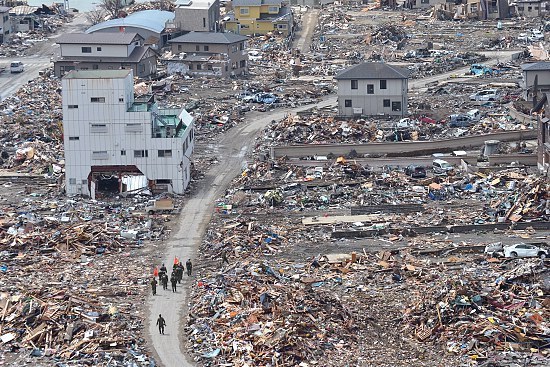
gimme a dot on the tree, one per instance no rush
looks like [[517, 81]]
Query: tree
[[95, 16], [112, 7]]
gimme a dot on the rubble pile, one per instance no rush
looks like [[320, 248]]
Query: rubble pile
[[74, 275], [279, 302], [31, 128]]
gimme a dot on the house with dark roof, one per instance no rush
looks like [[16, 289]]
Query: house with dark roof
[[539, 70], [373, 88], [260, 17], [104, 51], [208, 54]]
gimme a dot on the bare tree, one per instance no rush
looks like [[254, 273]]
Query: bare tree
[[95, 16], [112, 7]]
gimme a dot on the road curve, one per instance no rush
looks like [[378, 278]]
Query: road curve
[[192, 222]]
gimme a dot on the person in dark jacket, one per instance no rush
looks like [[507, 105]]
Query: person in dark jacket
[[179, 272], [154, 286], [164, 281], [174, 282], [161, 324], [189, 267], [162, 271]]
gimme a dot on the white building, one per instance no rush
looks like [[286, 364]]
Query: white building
[[109, 135]]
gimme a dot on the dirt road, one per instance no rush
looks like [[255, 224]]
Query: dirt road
[[231, 150]]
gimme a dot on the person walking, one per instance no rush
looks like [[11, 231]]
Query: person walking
[[164, 281], [224, 257], [154, 286], [162, 272], [174, 282], [161, 324], [179, 272], [189, 267]]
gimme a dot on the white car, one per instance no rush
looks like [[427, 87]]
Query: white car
[[485, 95], [525, 250]]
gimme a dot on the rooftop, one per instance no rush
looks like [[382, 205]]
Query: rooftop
[[195, 4], [97, 74], [536, 66], [209, 37], [152, 20], [374, 70]]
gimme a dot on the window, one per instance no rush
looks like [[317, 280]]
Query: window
[[386, 103], [86, 50], [141, 153], [72, 181], [122, 152], [273, 9], [425, 1], [204, 22], [74, 138], [95, 67], [383, 84], [97, 99], [529, 8], [396, 106], [241, 46], [243, 11], [370, 88], [72, 106], [190, 66], [179, 47], [243, 63], [98, 128], [354, 84], [100, 155], [199, 67], [84, 182], [282, 26], [98, 49], [165, 153], [133, 128], [206, 48], [347, 103], [209, 67], [121, 99], [197, 48]]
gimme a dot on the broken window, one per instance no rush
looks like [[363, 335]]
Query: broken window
[[370, 88], [347, 103], [165, 153], [396, 106], [354, 84]]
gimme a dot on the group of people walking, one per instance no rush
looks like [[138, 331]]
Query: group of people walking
[[175, 277]]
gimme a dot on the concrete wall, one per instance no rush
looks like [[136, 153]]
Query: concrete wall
[[5, 24], [107, 134], [98, 51], [373, 104], [200, 20]]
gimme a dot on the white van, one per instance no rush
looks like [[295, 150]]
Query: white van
[[441, 167], [16, 67]]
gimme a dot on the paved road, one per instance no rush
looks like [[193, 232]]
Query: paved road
[[305, 34], [232, 150], [38, 59]]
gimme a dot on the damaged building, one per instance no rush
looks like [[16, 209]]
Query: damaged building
[[111, 135]]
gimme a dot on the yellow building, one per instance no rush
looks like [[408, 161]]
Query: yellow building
[[260, 17]]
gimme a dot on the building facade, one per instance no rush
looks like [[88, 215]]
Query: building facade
[[5, 24], [110, 135], [260, 17], [208, 54], [372, 89], [197, 15], [540, 71], [532, 8], [104, 51]]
